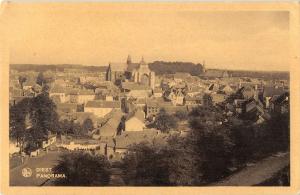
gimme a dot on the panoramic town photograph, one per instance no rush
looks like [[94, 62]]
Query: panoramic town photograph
[[148, 96]]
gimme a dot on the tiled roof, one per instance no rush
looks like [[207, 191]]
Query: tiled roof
[[57, 89], [66, 106], [138, 113], [111, 127], [103, 104]]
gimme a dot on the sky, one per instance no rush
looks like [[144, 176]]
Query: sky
[[96, 34]]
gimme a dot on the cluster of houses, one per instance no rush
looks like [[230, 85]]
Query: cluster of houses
[[123, 97]]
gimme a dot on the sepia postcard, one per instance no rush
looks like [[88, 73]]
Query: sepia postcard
[[150, 97]]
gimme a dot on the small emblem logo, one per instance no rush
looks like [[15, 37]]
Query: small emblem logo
[[26, 172]]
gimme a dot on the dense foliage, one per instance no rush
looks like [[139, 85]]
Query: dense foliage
[[215, 147], [148, 164], [83, 169], [32, 119], [164, 121]]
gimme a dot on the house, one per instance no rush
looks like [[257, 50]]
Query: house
[[111, 127], [58, 90], [81, 96], [248, 92], [192, 101], [215, 74], [250, 106], [81, 144], [127, 139], [135, 121], [153, 107], [175, 96], [66, 107], [136, 90], [13, 147], [181, 76], [85, 95], [269, 92], [101, 108], [50, 139], [157, 92], [29, 83], [194, 90], [213, 88], [218, 98], [280, 103], [227, 89], [238, 103]]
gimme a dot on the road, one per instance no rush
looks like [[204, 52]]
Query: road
[[116, 177], [258, 173], [46, 161]]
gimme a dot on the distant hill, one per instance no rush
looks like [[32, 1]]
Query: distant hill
[[161, 67], [57, 67], [260, 74]]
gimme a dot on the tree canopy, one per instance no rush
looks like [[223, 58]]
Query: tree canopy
[[165, 121], [83, 169]]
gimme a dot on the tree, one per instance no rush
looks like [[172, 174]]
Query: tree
[[40, 79], [212, 141], [181, 115], [87, 125], [83, 169], [164, 121], [44, 117], [22, 80], [143, 166], [18, 116], [214, 147], [152, 165]]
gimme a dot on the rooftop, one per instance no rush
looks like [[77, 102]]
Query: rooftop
[[103, 104]]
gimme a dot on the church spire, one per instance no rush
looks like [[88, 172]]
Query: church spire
[[143, 61], [129, 59]]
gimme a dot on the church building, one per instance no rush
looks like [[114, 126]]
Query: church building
[[132, 72]]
